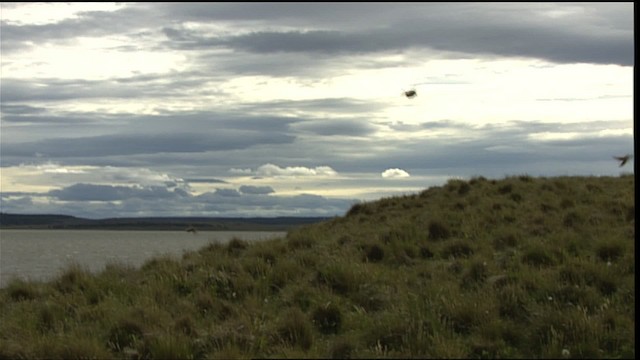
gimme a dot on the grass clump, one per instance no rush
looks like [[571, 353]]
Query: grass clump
[[461, 318], [124, 334], [338, 278], [610, 250], [295, 329], [21, 290], [438, 230], [475, 275], [236, 246], [513, 303], [537, 256], [373, 253], [521, 267], [460, 248], [169, 347], [341, 349], [74, 278], [327, 318]]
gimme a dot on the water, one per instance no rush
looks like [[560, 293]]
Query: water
[[43, 254]]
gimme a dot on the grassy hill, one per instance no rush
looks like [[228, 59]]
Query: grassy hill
[[519, 267]]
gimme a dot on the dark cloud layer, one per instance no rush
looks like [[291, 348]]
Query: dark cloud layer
[[122, 144], [140, 87], [586, 32], [603, 36], [16, 37], [520, 42], [333, 127], [68, 135], [496, 150], [249, 201], [93, 192], [256, 190]]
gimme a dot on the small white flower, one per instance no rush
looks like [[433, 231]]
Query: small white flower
[[566, 353], [608, 263], [550, 298]]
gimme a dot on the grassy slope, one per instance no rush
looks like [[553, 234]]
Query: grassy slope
[[517, 267]]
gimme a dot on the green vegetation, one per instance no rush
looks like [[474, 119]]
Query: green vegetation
[[519, 267]]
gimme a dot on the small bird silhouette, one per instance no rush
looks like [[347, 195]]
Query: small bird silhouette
[[410, 93], [623, 159]]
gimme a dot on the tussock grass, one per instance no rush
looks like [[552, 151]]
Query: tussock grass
[[294, 329], [520, 267], [327, 318], [20, 290]]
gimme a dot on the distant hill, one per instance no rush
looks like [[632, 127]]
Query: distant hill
[[35, 220], [51, 221]]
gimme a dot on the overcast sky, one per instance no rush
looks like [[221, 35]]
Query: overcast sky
[[297, 109]]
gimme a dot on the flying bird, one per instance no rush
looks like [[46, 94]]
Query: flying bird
[[623, 159], [410, 94]]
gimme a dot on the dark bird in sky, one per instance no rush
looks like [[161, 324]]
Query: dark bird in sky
[[410, 93], [623, 159]]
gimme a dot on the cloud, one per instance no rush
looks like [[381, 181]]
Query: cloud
[[50, 168], [599, 33], [44, 176], [271, 170], [472, 149], [131, 144], [21, 36], [227, 193], [336, 127], [93, 192], [579, 36], [395, 173], [340, 106], [256, 190], [240, 171], [100, 201], [205, 181], [126, 139]]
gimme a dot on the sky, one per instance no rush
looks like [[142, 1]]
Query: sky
[[297, 109]]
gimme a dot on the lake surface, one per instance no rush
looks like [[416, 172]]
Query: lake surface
[[43, 254]]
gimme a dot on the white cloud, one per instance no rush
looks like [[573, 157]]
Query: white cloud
[[272, 170], [49, 13], [47, 176], [93, 58], [325, 171], [240, 171], [395, 173], [553, 136], [53, 168]]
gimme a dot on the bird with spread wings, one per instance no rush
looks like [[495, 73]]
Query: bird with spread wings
[[623, 159]]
